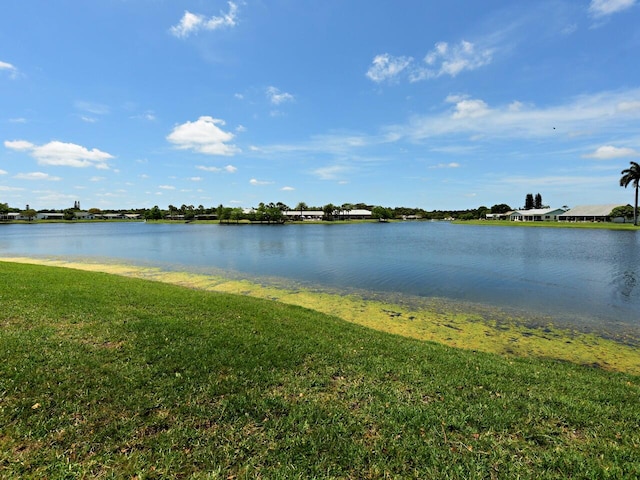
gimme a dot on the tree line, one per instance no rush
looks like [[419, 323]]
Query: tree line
[[271, 212], [274, 212]]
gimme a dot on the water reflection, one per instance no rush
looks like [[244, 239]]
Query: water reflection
[[581, 276]]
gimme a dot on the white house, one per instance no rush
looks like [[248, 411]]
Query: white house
[[50, 216], [536, 215], [588, 213]]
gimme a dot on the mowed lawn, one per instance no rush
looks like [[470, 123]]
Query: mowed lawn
[[109, 377]]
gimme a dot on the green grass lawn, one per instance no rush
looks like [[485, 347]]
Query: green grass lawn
[[110, 377], [593, 225]]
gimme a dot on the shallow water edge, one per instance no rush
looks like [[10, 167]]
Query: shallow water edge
[[457, 324]]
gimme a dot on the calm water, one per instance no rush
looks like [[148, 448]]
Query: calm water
[[588, 276]]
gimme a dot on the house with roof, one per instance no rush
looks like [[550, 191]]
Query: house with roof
[[536, 215], [50, 216], [589, 213]]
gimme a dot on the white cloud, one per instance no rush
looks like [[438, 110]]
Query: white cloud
[[599, 112], [193, 22], [447, 165], [18, 120], [166, 187], [451, 60], [3, 172], [92, 107], [330, 173], [470, 108], [18, 144], [387, 67], [203, 136], [63, 154], [444, 59], [602, 8], [96, 179], [228, 169], [195, 179], [276, 97], [287, 189], [7, 67], [254, 181], [629, 106], [37, 176], [608, 152]]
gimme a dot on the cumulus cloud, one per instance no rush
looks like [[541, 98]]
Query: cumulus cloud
[[387, 67], [446, 59], [63, 154], [204, 136], [287, 189], [193, 22], [443, 59], [276, 97], [608, 152], [3, 172], [37, 176], [470, 108], [603, 8]]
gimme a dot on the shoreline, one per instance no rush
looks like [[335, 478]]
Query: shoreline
[[450, 323]]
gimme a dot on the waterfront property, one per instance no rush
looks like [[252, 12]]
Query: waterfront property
[[536, 215], [589, 213], [316, 215], [50, 216]]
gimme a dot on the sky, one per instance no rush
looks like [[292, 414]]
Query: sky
[[122, 104]]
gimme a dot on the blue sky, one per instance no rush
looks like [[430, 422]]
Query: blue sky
[[437, 105]]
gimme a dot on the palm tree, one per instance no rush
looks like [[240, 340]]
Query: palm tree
[[631, 176]]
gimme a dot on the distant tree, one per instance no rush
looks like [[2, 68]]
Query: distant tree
[[68, 214], [301, 207], [346, 209], [4, 209], [381, 213], [482, 211], [154, 214], [631, 176], [30, 213], [224, 213], [625, 212], [501, 208], [329, 211], [537, 203], [528, 202], [237, 214]]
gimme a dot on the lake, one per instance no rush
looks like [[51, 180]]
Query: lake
[[588, 278]]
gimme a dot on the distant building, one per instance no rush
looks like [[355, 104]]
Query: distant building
[[536, 215], [50, 216], [588, 213]]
